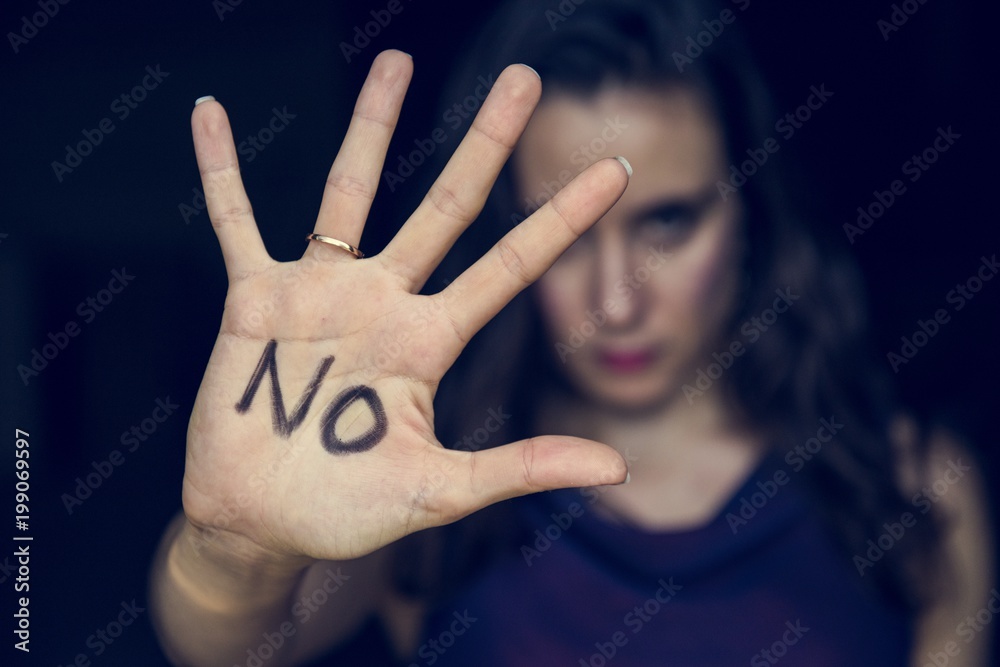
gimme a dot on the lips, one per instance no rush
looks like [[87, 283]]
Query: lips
[[626, 361]]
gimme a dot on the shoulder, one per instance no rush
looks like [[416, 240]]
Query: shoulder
[[943, 478]]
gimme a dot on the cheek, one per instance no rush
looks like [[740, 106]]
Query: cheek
[[558, 295], [702, 286]]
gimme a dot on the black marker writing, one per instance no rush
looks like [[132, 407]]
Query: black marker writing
[[365, 441], [268, 363], [284, 425]]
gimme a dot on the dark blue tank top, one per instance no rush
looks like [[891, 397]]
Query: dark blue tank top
[[761, 584]]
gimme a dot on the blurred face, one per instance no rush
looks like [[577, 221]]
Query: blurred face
[[637, 304]]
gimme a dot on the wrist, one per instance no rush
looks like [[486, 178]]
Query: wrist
[[221, 566]]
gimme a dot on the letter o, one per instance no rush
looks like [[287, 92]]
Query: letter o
[[363, 442]]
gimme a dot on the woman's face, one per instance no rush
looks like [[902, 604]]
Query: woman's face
[[637, 304]]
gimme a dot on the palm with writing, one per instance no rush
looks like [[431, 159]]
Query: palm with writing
[[312, 434]]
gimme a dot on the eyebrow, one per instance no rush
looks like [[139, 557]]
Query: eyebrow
[[695, 203]]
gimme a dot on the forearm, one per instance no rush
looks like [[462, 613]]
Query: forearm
[[213, 602]]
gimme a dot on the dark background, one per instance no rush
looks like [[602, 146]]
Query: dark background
[[121, 208]]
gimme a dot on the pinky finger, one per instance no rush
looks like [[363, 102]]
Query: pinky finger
[[227, 202]]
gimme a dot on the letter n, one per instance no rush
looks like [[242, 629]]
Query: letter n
[[283, 425]]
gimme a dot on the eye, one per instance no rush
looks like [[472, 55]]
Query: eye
[[668, 224]]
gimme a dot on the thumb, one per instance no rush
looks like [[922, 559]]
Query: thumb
[[538, 464]]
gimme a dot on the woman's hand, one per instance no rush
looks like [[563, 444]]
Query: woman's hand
[[312, 434]]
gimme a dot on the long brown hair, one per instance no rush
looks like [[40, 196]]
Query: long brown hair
[[814, 362]]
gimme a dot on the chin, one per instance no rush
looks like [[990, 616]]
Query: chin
[[633, 397]]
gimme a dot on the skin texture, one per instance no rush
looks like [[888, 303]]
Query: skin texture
[[662, 266], [263, 497], [635, 306]]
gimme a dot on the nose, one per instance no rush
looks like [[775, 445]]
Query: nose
[[614, 285]]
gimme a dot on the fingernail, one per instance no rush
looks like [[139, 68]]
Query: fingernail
[[628, 478], [628, 167], [203, 99], [532, 69]]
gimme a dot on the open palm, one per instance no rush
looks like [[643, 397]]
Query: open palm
[[312, 434]]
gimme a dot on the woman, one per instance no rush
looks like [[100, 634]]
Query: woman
[[700, 327]]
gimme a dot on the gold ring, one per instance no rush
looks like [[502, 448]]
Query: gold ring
[[336, 242]]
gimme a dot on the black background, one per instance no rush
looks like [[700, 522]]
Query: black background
[[121, 209]]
